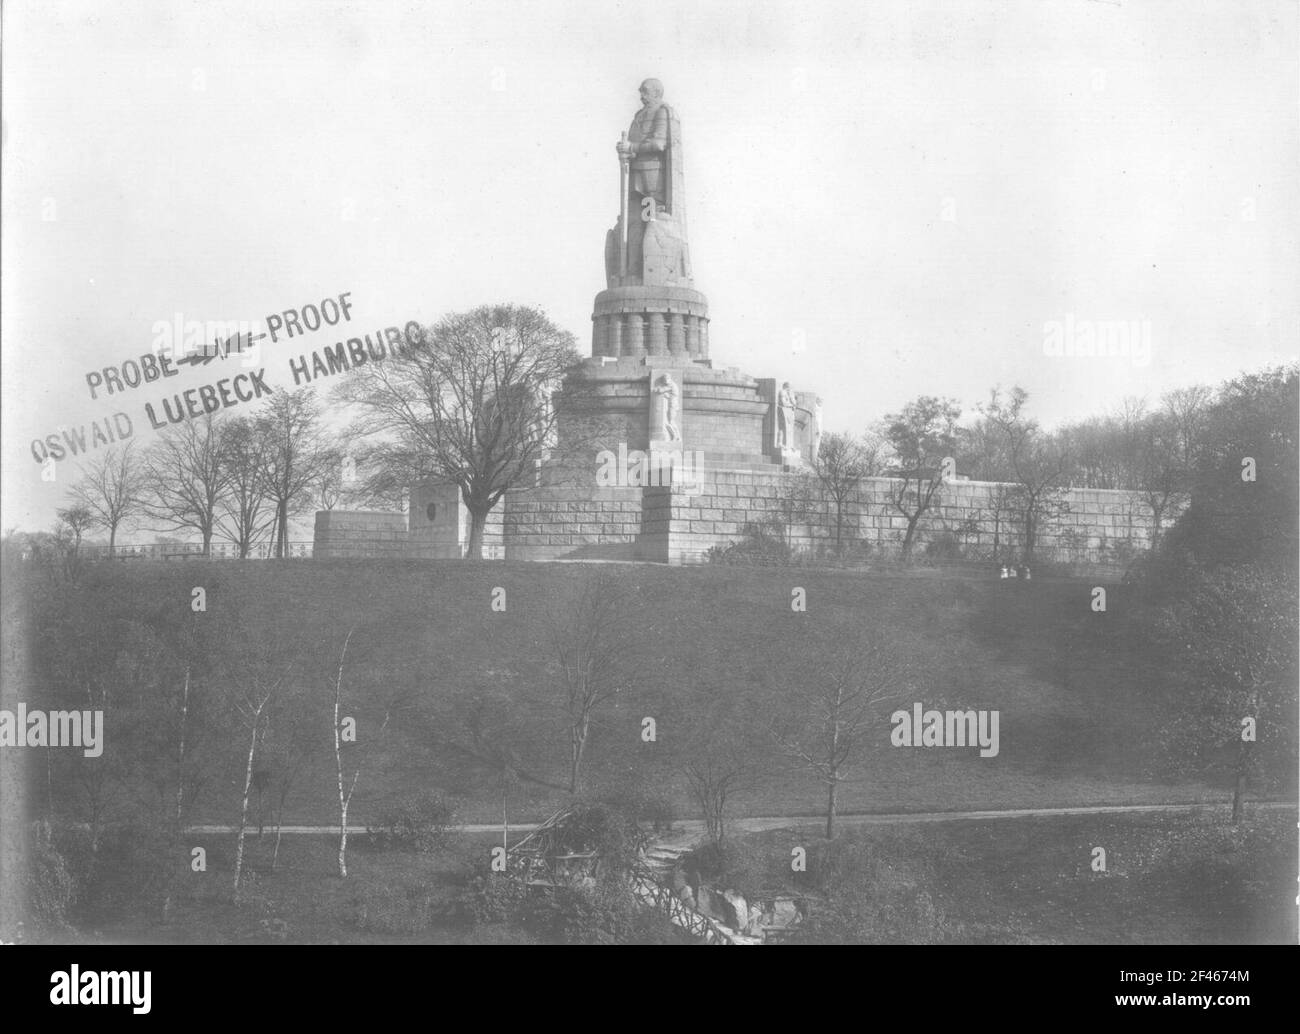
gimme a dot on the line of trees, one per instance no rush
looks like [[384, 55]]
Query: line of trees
[[241, 479], [1194, 437]]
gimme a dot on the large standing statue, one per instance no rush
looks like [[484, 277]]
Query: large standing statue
[[785, 407], [647, 246], [646, 145]]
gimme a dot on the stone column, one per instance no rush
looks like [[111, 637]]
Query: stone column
[[676, 334], [634, 335], [704, 337], [693, 335], [615, 324], [656, 334]]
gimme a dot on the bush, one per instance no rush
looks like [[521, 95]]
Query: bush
[[495, 898], [401, 909], [762, 545], [415, 823], [730, 865], [875, 893]]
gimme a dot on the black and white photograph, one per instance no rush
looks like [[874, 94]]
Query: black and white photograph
[[686, 473]]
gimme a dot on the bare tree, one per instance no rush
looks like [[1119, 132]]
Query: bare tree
[[76, 519], [333, 479], [719, 760], [842, 462], [296, 448], [1163, 478], [1038, 462], [345, 800], [258, 680], [290, 749], [243, 515], [588, 646], [348, 787], [1189, 411], [834, 713], [111, 487], [187, 477], [470, 405], [923, 435]]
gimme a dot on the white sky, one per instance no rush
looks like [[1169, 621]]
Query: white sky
[[1101, 159]]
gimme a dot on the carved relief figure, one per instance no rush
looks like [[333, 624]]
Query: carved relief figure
[[667, 395]]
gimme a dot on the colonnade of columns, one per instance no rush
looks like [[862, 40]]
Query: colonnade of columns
[[634, 334]]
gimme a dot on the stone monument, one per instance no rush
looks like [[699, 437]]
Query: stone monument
[[658, 454], [650, 305]]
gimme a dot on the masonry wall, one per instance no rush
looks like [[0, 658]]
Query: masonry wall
[[354, 534], [980, 518], [577, 521], [554, 523]]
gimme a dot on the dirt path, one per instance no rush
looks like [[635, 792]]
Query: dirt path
[[688, 830]]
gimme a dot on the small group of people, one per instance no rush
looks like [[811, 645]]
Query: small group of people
[[1016, 571]]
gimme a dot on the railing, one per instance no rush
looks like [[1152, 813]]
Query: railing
[[296, 550]]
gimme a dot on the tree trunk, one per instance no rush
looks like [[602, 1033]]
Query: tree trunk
[[282, 519], [909, 535], [477, 521], [578, 740], [207, 543], [1031, 532], [112, 541], [243, 812], [830, 809], [344, 800], [343, 840], [279, 826]]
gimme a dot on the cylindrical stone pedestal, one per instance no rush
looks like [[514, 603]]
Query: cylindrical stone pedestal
[[650, 321]]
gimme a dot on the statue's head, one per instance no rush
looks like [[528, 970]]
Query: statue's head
[[652, 92]]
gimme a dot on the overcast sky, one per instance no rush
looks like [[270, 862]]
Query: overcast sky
[[915, 190]]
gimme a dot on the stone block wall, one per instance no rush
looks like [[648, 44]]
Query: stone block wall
[[980, 518], [673, 524], [555, 523], [360, 534]]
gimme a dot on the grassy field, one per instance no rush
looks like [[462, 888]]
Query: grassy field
[[702, 647]]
